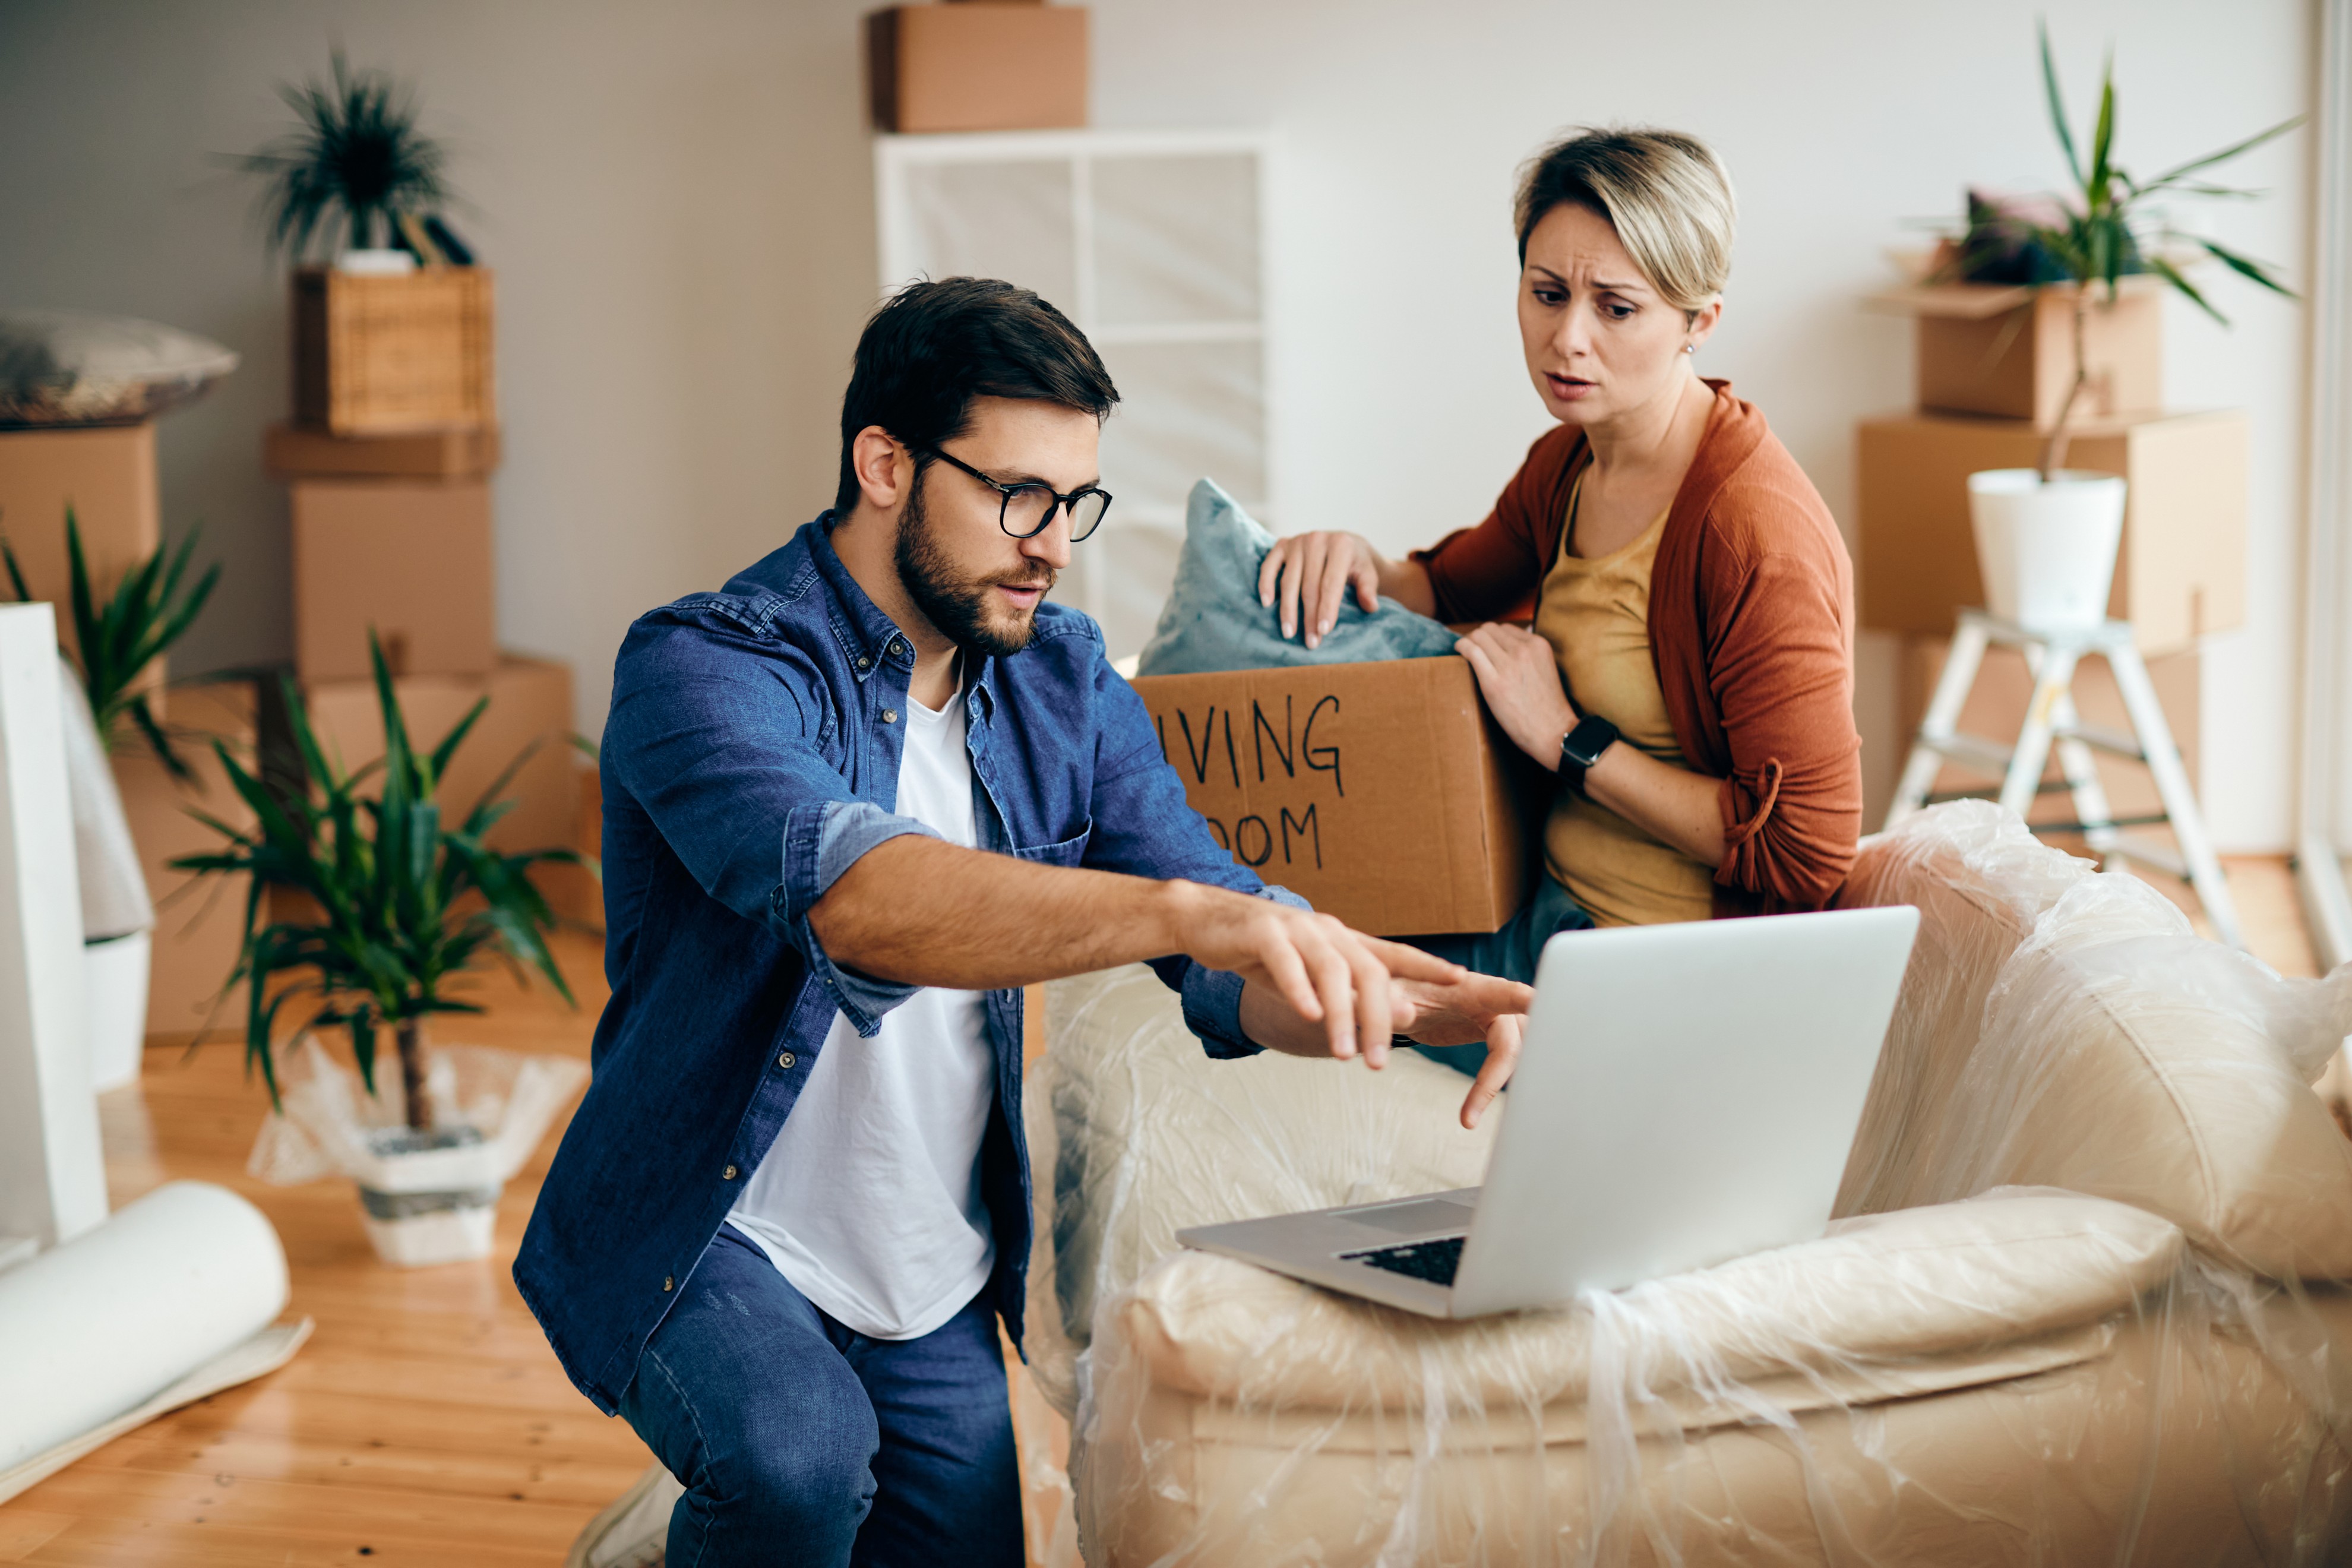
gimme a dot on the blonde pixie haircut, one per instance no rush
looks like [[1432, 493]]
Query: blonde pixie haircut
[[1664, 193]]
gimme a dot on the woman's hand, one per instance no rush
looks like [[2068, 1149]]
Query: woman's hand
[[1520, 681], [1457, 1013], [1311, 575]]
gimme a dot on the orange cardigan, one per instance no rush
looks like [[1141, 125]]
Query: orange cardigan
[[1751, 629]]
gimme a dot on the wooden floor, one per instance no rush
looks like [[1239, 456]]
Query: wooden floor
[[426, 1422]]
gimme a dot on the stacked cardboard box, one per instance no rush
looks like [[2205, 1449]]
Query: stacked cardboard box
[[393, 537], [1993, 365], [992, 66]]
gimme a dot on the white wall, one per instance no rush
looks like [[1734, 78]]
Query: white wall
[[677, 200]]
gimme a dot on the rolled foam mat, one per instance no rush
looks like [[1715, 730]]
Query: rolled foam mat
[[96, 1328]]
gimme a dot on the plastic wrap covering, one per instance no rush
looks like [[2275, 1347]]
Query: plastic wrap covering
[[2075, 1309], [332, 1126], [2068, 1028]]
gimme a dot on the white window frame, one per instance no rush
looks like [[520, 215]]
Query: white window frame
[[2321, 835]]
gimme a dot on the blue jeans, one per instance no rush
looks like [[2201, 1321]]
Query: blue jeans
[[800, 1441], [1511, 953]]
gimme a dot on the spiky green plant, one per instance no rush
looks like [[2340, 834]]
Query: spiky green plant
[[357, 150], [405, 903], [116, 643], [2114, 225]]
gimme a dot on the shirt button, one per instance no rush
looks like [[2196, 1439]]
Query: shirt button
[[785, 1061], [896, 648], [668, 1282], [889, 715], [864, 662], [730, 1173]]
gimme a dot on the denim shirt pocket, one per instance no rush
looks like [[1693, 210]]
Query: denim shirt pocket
[[1070, 851]]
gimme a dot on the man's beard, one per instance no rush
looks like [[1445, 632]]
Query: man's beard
[[958, 607]]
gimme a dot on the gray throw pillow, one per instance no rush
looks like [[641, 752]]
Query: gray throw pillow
[[69, 367], [1213, 619]]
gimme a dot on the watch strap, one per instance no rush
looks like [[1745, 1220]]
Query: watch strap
[[1581, 747]]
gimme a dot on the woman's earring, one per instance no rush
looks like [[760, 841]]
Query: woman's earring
[[1690, 348]]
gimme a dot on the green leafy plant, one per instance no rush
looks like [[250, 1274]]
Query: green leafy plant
[[117, 642], [404, 903], [357, 152], [2108, 227]]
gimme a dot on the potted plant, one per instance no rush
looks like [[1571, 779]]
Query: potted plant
[[2047, 536], [380, 345], [399, 905], [118, 644], [355, 160]]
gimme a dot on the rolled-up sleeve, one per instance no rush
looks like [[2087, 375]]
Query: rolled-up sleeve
[[1213, 997], [846, 830], [718, 734], [1792, 803]]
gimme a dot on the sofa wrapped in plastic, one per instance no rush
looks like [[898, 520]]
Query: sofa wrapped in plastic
[[2078, 1306]]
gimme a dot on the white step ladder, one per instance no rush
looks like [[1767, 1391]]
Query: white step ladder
[[2051, 722]]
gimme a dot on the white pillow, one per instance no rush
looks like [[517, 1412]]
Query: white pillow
[[69, 367]]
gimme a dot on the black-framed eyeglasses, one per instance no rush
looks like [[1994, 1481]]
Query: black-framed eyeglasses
[[1029, 508]]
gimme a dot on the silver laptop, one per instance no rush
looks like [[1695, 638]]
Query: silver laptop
[[1686, 1094]]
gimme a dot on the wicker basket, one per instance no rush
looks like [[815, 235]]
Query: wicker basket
[[375, 356]]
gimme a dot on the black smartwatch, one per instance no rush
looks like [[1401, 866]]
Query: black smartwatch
[[1581, 747]]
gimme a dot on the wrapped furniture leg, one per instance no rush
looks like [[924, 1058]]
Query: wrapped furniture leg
[[2081, 1306]]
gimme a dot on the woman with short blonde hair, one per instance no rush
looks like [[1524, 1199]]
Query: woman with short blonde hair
[[1687, 662]]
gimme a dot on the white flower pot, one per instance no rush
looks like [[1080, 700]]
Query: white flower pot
[[428, 1196], [384, 263], [412, 1229], [115, 972], [2047, 552]]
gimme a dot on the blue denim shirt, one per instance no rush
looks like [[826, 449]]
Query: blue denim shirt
[[751, 756]]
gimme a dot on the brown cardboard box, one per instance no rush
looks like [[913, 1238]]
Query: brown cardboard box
[[575, 892], [977, 67], [1380, 793], [2182, 572], [409, 558], [107, 474], [1996, 710], [2009, 352], [198, 925], [296, 452], [531, 707]]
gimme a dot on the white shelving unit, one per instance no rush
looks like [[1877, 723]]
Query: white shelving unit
[[1154, 243]]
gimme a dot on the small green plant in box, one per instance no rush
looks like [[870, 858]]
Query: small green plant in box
[[2108, 227], [403, 901]]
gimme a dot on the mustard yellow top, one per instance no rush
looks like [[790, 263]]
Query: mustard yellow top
[[1596, 615]]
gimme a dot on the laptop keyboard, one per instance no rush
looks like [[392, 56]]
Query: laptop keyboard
[[1434, 1262]]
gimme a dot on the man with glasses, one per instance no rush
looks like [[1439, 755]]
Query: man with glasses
[[853, 803]]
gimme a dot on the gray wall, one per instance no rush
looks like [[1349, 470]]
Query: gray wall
[[677, 201]]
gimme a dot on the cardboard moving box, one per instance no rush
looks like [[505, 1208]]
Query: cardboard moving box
[[198, 925], [294, 452], [107, 474], [530, 707], [2009, 352], [977, 67], [2182, 572], [409, 558], [1380, 793]]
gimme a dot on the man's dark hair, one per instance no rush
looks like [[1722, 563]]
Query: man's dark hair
[[934, 347]]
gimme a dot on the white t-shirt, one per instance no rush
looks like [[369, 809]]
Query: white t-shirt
[[868, 1201]]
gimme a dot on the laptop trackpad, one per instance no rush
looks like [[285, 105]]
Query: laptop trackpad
[[1413, 1217]]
